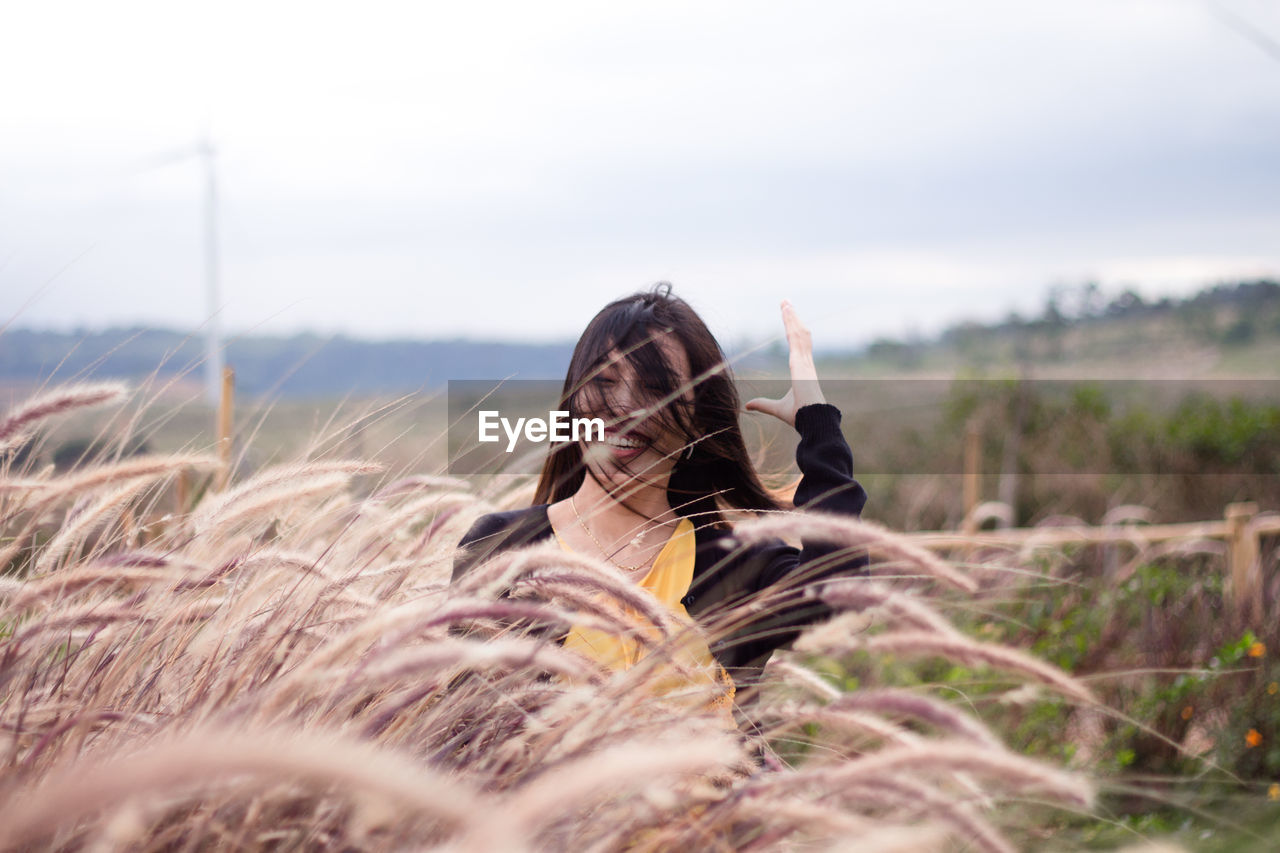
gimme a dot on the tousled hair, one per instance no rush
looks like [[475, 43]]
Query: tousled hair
[[713, 471]]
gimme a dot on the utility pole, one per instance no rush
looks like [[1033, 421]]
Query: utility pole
[[205, 151], [213, 337]]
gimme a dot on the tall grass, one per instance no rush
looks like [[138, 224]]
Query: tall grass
[[285, 666]]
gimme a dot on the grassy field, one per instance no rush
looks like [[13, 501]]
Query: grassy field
[[281, 665]]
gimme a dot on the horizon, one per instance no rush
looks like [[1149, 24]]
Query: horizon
[[732, 343]]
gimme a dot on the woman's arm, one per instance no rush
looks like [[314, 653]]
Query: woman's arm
[[827, 485], [823, 455], [468, 552], [826, 463], [781, 573], [498, 531]]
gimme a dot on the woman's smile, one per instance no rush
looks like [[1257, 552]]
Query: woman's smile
[[623, 445]]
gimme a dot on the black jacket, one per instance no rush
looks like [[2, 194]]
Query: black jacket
[[726, 573]]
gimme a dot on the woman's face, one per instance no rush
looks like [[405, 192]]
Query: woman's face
[[641, 440]]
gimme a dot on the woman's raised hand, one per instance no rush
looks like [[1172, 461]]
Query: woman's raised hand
[[804, 375]]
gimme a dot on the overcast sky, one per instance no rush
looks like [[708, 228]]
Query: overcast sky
[[503, 169]]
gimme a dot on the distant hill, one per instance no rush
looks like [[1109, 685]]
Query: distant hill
[[1239, 322], [299, 366]]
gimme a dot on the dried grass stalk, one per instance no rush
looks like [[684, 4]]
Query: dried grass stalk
[[973, 653], [853, 533], [57, 402], [203, 758]]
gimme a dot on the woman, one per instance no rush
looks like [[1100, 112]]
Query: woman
[[651, 497]]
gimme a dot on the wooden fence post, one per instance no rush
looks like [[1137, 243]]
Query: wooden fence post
[[1242, 563], [972, 474], [183, 497], [225, 414]]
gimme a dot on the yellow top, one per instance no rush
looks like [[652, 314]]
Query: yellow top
[[668, 579]]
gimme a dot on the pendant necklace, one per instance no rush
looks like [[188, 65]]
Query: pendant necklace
[[603, 550]]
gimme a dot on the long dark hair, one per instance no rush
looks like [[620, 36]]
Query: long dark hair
[[713, 470]]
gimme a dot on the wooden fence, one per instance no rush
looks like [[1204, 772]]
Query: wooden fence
[[1241, 527]]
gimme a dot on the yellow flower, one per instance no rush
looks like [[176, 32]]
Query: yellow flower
[[1257, 650], [1273, 793], [1186, 712], [1253, 738], [1273, 688]]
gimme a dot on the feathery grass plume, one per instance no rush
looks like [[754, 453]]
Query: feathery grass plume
[[433, 572], [451, 654], [582, 784], [96, 613], [795, 814], [387, 630], [852, 533], [417, 483], [56, 587], [202, 758], [72, 485], [918, 799], [549, 565], [1128, 513], [251, 508], [437, 514], [307, 564], [275, 481], [100, 514], [14, 427], [634, 704], [1013, 772], [398, 519], [449, 521], [805, 676], [834, 633], [997, 511], [514, 498], [972, 653], [589, 605], [352, 643], [879, 835], [896, 839], [505, 614], [341, 588], [398, 568], [785, 717], [28, 484], [140, 559], [606, 586], [853, 713], [891, 702], [80, 485], [280, 593], [861, 594]]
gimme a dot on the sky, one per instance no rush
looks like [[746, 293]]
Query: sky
[[502, 170]]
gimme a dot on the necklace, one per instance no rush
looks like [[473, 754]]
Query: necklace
[[603, 550]]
